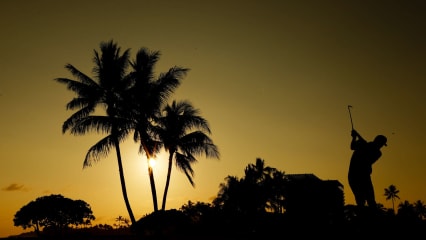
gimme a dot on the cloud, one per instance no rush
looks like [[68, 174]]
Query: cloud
[[15, 187]]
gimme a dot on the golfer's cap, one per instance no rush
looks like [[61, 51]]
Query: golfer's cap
[[381, 139]]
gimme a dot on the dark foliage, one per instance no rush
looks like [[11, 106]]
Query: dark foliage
[[53, 213]]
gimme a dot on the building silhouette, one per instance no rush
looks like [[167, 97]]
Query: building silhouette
[[312, 200]]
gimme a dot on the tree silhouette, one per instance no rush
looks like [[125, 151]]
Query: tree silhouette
[[230, 196], [420, 209], [184, 134], [55, 212], [145, 98], [105, 91], [122, 222], [407, 212], [391, 193], [276, 198], [262, 189], [256, 178]]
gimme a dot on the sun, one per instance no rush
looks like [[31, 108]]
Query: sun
[[152, 162], [156, 161]]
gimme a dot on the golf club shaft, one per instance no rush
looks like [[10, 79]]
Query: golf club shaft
[[350, 115]]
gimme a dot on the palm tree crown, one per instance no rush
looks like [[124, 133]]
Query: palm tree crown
[[184, 134]]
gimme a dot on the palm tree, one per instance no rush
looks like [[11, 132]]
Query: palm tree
[[391, 193], [257, 176], [122, 222], [260, 189], [258, 172], [147, 95], [104, 91], [230, 195], [184, 134]]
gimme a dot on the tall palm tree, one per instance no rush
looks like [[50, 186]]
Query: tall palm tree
[[184, 135], [392, 193], [104, 91], [147, 94]]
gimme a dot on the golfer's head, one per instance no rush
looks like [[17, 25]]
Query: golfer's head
[[381, 140]]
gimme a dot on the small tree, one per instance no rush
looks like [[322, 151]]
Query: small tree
[[392, 193], [55, 212], [122, 222]]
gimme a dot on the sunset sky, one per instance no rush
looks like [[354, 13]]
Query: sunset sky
[[273, 78]]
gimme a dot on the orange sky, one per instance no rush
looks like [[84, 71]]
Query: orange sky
[[273, 78]]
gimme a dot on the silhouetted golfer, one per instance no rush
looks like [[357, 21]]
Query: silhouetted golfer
[[364, 156]]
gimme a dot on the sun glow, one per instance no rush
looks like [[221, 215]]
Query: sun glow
[[152, 162]]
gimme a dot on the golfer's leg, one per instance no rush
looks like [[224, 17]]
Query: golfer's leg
[[369, 191]]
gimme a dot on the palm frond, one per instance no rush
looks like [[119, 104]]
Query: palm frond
[[74, 118], [198, 143], [83, 78], [167, 82], [99, 150], [183, 163], [98, 124]]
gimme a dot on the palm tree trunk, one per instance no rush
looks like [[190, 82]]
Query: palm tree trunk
[[393, 205], [166, 188], [123, 182], [151, 176], [153, 190]]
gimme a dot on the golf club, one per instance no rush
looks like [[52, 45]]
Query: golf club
[[350, 115]]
